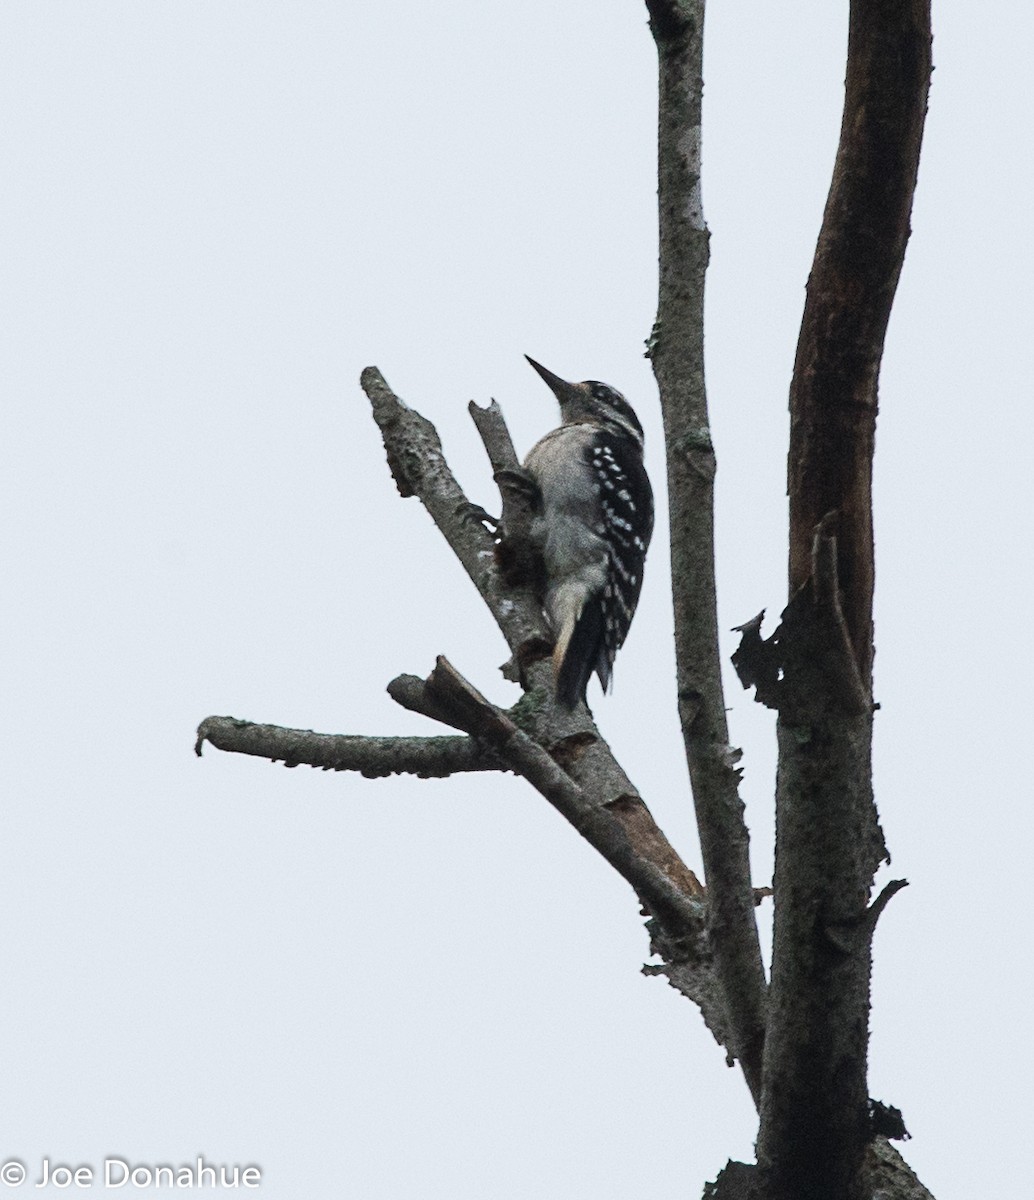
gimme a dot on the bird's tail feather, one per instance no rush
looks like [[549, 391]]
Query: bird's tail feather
[[578, 653]]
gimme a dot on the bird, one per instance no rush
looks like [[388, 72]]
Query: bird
[[594, 526]]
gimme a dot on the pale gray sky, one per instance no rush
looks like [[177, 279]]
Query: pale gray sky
[[214, 215]]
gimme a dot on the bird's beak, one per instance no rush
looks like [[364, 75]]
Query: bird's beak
[[560, 388]]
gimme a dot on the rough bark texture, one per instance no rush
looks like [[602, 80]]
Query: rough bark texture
[[815, 1125], [815, 1122], [677, 351]]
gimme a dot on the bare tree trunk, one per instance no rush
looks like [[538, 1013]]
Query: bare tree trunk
[[815, 1123]]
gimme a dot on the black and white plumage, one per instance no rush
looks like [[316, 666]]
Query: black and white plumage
[[594, 528]]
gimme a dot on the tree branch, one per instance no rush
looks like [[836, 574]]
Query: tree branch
[[623, 833], [419, 468], [570, 738], [681, 914], [518, 554], [372, 757], [676, 349], [580, 762], [648, 842], [495, 436]]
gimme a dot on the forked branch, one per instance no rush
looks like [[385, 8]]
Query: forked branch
[[561, 753]]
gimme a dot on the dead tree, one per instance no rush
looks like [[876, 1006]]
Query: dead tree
[[801, 1038]]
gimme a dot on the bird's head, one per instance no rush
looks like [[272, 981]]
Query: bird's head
[[592, 402]]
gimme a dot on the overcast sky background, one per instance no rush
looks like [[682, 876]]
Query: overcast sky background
[[214, 215]]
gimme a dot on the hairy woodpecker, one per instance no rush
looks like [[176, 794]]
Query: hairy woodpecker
[[594, 528]]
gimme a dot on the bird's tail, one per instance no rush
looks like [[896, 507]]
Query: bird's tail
[[580, 651]]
